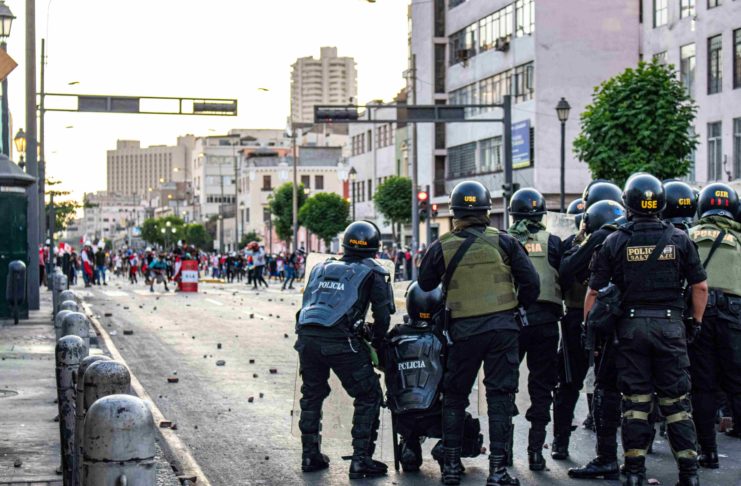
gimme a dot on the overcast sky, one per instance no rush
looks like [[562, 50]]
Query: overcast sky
[[207, 48]]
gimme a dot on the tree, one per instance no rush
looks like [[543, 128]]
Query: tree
[[281, 207], [248, 237], [639, 121], [65, 210], [393, 199], [196, 235], [325, 214], [152, 230]]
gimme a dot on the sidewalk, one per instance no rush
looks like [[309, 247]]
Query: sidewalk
[[29, 441]]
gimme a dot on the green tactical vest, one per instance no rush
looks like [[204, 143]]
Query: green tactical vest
[[537, 248], [482, 281], [724, 269], [574, 297]]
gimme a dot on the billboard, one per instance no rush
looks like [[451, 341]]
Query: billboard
[[521, 144]]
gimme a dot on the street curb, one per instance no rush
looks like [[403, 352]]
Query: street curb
[[175, 450]]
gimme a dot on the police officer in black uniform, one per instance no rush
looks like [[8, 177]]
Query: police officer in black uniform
[[539, 340], [681, 204], [598, 223], [331, 337], [652, 348], [414, 361], [715, 355], [601, 190], [492, 278]]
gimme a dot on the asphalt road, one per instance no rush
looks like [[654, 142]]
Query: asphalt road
[[236, 418]]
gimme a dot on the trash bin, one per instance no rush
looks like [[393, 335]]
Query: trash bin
[[189, 279]]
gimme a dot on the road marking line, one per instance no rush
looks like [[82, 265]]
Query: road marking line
[[215, 302], [262, 316], [176, 447], [115, 293]]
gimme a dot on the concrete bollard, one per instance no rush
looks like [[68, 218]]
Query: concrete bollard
[[66, 295], [118, 441], [77, 324], [58, 322], [80, 407], [70, 350], [100, 379], [59, 284], [69, 305]]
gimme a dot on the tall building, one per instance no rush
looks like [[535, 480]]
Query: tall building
[[136, 170], [476, 51], [111, 216], [327, 80]]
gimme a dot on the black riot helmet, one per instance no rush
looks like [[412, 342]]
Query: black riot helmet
[[470, 198], [601, 213], [681, 203], [423, 306], [576, 207], [644, 195], [601, 191], [527, 203], [361, 238], [718, 200]]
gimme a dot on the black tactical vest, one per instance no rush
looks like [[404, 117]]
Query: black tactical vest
[[663, 286], [414, 371], [333, 294]]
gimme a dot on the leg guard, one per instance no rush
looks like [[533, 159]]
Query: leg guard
[[501, 406], [680, 428], [637, 428], [606, 412]]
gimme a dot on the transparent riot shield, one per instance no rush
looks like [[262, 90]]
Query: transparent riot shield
[[561, 224], [337, 410]]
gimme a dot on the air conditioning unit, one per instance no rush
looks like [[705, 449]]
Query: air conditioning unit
[[502, 44]]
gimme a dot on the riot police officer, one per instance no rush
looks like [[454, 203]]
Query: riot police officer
[[329, 324], [414, 363], [714, 354], [681, 204], [649, 261], [576, 207], [598, 222], [539, 340], [601, 190], [486, 276]]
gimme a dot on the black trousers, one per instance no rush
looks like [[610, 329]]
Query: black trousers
[[566, 393], [540, 344], [715, 358], [350, 360], [652, 358], [497, 350]]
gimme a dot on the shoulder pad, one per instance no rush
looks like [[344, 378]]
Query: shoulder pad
[[375, 266], [627, 228]]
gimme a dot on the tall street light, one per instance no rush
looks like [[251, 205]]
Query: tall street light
[[20, 147], [562, 110], [353, 177], [6, 22]]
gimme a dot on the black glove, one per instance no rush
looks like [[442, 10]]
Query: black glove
[[692, 329]]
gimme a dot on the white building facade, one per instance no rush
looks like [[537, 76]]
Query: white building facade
[[111, 216]]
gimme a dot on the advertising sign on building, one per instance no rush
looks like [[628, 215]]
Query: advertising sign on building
[[521, 144]]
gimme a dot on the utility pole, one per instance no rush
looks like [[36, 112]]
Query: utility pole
[[507, 102], [42, 157], [295, 187], [32, 167], [428, 219], [415, 204]]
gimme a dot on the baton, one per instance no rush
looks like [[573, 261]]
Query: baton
[[566, 357]]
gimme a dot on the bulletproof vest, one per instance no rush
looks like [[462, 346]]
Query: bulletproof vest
[[482, 282], [414, 371], [333, 294], [724, 268], [537, 248], [574, 296], [663, 287]]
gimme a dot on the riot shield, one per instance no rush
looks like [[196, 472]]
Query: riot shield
[[337, 409], [560, 224]]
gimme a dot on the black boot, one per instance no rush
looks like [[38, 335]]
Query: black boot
[[688, 472], [535, 440], [708, 459], [411, 455], [362, 464], [560, 448], [498, 474], [635, 471], [452, 469], [603, 466], [312, 459]]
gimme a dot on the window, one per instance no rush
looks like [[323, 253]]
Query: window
[[737, 147], [715, 64], [440, 68], [686, 8], [692, 158], [319, 182], [714, 3], [439, 136], [246, 215], [462, 160], [439, 183], [737, 58], [490, 154], [266, 183], [265, 215], [494, 27], [370, 189], [455, 3], [439, 18], [715, 152], [306, 181], [524, 82], [661, 12], [525, 14], [370, 140], [661, 57], [463, 44], [687, 67]]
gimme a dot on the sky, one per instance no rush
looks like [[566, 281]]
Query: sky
[[209, 49]]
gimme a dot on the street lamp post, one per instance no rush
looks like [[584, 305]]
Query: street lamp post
[[6, 22], [353, 177], [20, 147], [221, 231], [562, 110]]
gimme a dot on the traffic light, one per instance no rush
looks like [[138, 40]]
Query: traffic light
[[339, 114], [423, 202], [510, 189], [434, 210]]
